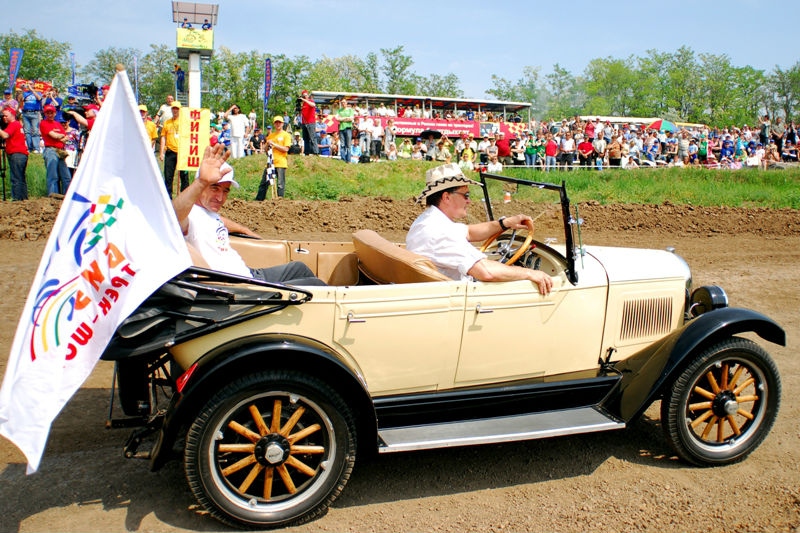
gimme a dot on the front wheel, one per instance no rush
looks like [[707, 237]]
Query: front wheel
[[723, 404], [270, 450]]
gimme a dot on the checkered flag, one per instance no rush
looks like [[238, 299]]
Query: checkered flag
[[270, 171]]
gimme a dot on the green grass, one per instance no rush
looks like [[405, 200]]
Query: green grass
[[318, 178]]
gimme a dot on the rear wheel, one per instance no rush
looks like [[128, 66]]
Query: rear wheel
[[723, 404], [270, 450]]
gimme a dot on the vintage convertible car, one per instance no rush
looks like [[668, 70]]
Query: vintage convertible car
[[268, 391]]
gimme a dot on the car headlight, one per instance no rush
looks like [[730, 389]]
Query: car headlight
[[707, 298]]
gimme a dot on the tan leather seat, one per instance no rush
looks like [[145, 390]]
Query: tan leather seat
[[385, 262]]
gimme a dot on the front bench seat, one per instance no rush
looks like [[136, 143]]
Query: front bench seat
[[384, 262]]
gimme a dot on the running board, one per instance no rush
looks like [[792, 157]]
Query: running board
[[493, 430]]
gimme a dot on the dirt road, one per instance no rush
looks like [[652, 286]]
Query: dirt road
[[619, 481]]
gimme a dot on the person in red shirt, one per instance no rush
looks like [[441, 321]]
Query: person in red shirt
[[308, 115], [17, 153], [503, 149], [585, 152], [550, 152], [53, 136]]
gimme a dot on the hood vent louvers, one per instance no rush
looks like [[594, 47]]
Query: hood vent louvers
[[648, 317]]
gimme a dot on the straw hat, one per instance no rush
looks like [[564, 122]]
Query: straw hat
[[444, 177]]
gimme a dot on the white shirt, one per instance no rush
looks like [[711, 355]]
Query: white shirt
[[444, 242], [239, 124], [208, 234]]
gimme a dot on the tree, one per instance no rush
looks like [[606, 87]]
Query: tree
[[397, 70], [447, 86], [566, 93], [786, 86], [155, 76], [43, 59], [102, 68]]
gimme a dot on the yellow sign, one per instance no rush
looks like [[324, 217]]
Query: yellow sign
[[194, 137], [193, 39]]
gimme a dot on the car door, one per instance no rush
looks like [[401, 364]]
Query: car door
[[404, 338], [512, 332]]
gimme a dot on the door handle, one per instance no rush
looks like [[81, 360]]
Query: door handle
[[482, 311], [351, 319]]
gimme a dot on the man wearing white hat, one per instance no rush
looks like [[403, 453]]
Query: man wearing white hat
[[197, 208], [436, 235]]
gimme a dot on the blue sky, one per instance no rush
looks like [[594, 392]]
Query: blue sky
[[472, 38]]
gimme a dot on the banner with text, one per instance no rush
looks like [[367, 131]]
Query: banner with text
[[193, 137]]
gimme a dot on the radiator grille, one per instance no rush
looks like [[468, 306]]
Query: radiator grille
[[647, 317]]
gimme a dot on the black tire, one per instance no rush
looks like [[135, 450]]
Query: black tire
[[723, 404], [286, 473]]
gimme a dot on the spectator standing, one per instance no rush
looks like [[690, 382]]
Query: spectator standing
[[345, 115], [365, 125], [308, 116], [567, 150], [279, 141], [615, 153], [51, 98], [240, 127], [585, 152], [170, 137], [389, 134], [777, 132], [31, 116], [54, 135], [377, 139], [764, 133], [10, 101], [503, 149], [149, 126], [550, 152], [16, 152], [482, 147], [600, 150]]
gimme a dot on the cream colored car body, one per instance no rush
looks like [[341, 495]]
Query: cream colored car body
[[441, 335]]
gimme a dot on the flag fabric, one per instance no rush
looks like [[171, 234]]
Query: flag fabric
[[270, 172], [14, 61], [114, 242]]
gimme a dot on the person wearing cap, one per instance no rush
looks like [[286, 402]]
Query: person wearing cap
[[9, 101], [197, 209], [16, 152], [279, 142], [436, 234], [54, 136], [169, 149], [308, 116], [149, 126]]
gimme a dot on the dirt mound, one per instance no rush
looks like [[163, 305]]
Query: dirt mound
[[33, 219]]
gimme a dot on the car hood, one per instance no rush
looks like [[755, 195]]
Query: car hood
[[637, 264]]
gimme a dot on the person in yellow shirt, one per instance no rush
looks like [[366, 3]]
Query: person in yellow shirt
[[278, 142], [169, 149], [149, 126]]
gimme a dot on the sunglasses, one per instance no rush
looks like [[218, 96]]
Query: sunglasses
[[464, 194]]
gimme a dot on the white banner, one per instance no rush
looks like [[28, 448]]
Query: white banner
[[115, 241]]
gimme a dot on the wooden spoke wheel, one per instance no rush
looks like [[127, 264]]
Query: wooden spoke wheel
[[723, 404], [269, 450], [505, 250]]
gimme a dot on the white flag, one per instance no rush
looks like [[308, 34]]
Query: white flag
[[115, 241]]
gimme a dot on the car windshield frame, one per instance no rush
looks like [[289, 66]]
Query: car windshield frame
[[568, 220]]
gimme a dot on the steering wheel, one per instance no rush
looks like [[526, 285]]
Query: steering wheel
[[515, 253]]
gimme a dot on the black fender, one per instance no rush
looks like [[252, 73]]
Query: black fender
[[646, 373], [252, 354]]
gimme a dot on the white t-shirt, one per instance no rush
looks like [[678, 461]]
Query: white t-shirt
[[239, 124], [444, 242], [208, 234]]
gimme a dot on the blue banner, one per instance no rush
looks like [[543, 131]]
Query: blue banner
[[14, 61], [267, 82]]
